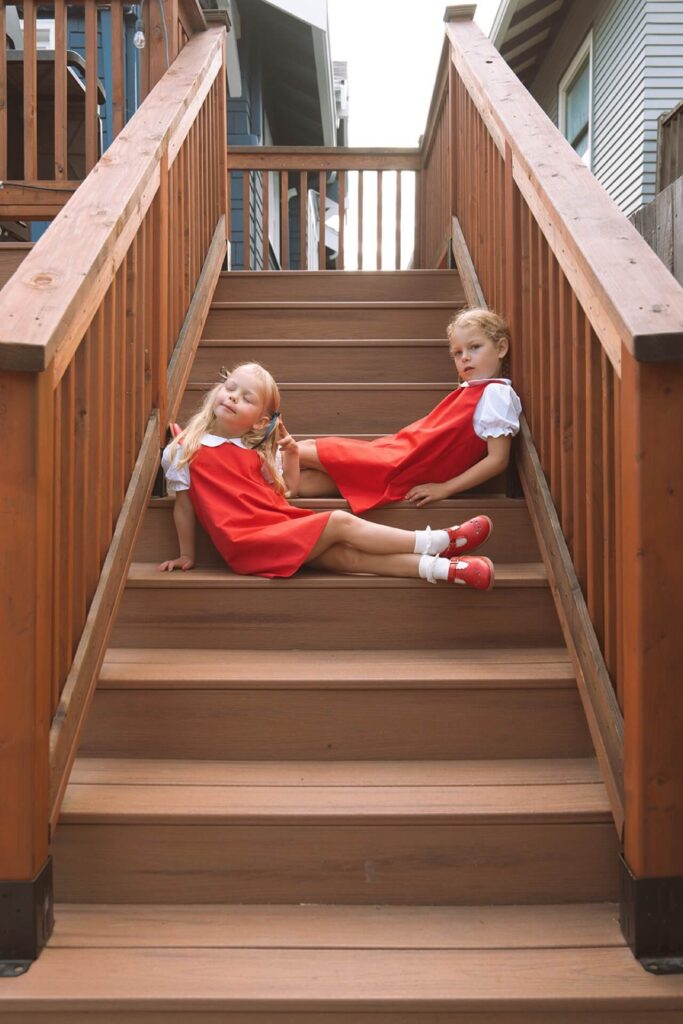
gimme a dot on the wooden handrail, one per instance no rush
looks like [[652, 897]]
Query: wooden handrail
[[597, 326], [88, 377], [316, 158], [625, 290]]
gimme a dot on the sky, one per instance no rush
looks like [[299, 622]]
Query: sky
[[392, 48]]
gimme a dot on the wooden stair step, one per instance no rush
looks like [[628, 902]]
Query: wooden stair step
[[330, 319], [112, 926], [513, 538], [342, 408], [489, 965], [333, 285], [279, 705], [120, 789], [329, 359], [217, 608], [348, 833], [134, 668]]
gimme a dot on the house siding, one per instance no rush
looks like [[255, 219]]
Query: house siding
[[637, 75]]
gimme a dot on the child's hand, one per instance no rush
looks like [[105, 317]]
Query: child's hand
[[425, 494], [184, 563], [286, 443]]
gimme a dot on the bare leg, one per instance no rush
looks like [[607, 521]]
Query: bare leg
[[308, 455], [373, 538], [344, 558], [315, 483]]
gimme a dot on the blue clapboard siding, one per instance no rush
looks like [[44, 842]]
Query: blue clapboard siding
[[637, 75]]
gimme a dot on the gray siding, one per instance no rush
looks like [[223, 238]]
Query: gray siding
[[637, 75]]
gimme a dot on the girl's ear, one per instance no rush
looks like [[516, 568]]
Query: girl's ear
[[503, 347]]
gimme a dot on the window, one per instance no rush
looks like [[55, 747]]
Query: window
[[576, 101]]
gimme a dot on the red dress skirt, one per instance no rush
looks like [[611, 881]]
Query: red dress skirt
[[254, 529], [436, 448]]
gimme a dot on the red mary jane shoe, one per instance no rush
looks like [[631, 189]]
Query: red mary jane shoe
[[474, 572], [474, 532]]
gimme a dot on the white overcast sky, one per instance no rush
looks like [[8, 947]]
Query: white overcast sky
[[392, 48]]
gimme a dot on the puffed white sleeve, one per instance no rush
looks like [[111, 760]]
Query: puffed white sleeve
[[177, 477], [497, 413]]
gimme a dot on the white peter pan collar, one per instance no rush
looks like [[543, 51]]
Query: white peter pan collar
[[496, 380], [213, 441]]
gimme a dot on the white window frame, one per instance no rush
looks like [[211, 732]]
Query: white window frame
[[567, 80]]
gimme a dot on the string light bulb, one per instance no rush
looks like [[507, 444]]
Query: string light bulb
[[139, 37]]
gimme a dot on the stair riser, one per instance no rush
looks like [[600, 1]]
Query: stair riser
[[339, 287], [502, 1016], [512, 540], [313, 618], [330, 362], [363, 322], [336, 725], [354, 864]]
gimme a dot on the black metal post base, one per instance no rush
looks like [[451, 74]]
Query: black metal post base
[[651, 918], [26, 921]]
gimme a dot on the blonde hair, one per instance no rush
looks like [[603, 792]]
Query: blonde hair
[[490, 324], [202, 422]]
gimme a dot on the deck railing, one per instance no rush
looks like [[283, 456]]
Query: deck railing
[[366, 186], [97, 331], [52, 97], [597, 324]]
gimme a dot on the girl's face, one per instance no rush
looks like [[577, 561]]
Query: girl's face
[[476, 357], [239, 405]]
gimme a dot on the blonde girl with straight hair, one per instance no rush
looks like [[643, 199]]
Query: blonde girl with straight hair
[[231, 468]]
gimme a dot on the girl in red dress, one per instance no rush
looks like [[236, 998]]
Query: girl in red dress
[[461, 443], [224, 470]]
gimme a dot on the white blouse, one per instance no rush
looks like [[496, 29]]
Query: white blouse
[[178, 477], [498, 411]]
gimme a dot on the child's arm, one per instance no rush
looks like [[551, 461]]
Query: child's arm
[[291, 467], [491, 465], [184, 519]]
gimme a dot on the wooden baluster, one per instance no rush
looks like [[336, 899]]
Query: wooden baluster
[[594, 489], [265, 187], [379, 220], [121, 390], [532, 339], [118, 95], [60, 501], [284, 220], [94, 543], [543, 440], [61, 135], [341, 262], [322, 259], [161, 271], [578, 441], [3, 94], [64, 560], [303, 217], [419, 220], [132, 312], [30, 93], [360, 220], [566, 426], [82, 487], [398, 220], [91, 119], [107, 402], [228, 203], [555, 377], [608, 484]]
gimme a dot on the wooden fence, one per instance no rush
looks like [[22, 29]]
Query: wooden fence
[[669, 147], [597, 326], [97, 332], [661, 225]]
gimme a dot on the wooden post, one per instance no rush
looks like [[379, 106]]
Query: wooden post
[[652, 569], [26, 551]]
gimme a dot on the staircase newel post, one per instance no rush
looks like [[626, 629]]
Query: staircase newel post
[[652, 570], [26, 642]]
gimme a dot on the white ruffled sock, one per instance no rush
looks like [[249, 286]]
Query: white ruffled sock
[[432, 568], [431, 542]]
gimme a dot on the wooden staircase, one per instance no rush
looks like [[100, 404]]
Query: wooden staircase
[[349, 800]]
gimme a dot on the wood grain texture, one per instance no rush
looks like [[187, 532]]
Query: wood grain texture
[[316, 158]]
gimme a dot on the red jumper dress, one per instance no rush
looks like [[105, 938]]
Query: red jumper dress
[[440, 446], [255, 529]]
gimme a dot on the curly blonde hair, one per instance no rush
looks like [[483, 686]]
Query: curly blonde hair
[[202, 422], [490, 324]]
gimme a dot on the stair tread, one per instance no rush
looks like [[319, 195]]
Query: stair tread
[[454, 506], [336, 304], [120, 790], [383, 385], [127, 667], [336, 927], [268, 980], [147, 574], [326, 342]]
